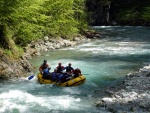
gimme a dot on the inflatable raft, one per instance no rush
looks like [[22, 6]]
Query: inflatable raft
[[72, 82]]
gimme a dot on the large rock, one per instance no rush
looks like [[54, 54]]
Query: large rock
[[14, 68], [5, 70]]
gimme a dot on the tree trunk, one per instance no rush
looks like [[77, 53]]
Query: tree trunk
[[107, 13]]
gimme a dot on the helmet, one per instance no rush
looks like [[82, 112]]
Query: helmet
[[69, 64], [45, 61], [59, 63], [78, 69]]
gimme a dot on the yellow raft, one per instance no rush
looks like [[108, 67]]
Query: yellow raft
[[72, 82]]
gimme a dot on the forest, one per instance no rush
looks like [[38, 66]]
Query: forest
[[118, 12], [22, 21]]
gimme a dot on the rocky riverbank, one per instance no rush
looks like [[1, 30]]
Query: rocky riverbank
[[47, 44], [131, 95], [21, 67]]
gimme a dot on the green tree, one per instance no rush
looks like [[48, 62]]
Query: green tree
[[6, 34], [29, 21], [63, 19], [146, 14], [19, 22], [80, 13]]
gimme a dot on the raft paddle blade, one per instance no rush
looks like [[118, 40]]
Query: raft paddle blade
[[30, 77]]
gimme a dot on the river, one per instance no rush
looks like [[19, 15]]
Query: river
[[104, 62]]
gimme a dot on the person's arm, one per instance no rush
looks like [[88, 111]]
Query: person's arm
[[40, 69], [64, 68], [72, 68], [47, 65], [79, 72]]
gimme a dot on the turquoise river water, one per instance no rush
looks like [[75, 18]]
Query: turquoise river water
[[104, 62]]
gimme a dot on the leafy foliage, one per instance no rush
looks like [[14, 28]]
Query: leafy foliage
[[146, 14], [22, 21], [128, 16], [125, 12], [63, 19]]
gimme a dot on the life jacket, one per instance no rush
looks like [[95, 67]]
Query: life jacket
[[69, 69], [59, 69], [76, 72], [43, 66]]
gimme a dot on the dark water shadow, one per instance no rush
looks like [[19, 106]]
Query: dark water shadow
[[131, 34]]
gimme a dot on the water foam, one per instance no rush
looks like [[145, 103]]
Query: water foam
[[23, 101]]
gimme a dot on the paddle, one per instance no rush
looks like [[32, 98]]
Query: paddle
[[85, 74], [30, 77]]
